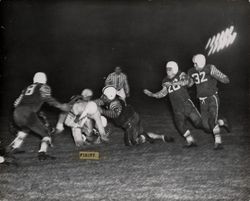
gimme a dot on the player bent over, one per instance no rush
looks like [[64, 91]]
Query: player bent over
[[27, 107], [205, 77], [183, 107], [80, 120], [126, 118], [86, 96], [88, 127]]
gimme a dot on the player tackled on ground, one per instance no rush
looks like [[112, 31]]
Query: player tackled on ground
[[205, 78], [26, 109], [183, 107], [125, 117], [83, 118]]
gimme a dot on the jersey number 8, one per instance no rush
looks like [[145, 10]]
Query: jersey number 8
[[30, 90]]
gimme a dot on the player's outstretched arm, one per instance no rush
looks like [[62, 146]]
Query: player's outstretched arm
[[218, 75], [160, 94], [46, 95]]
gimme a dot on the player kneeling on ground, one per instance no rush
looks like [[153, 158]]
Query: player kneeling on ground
[[83, 118], [27, 107], [126, 118]]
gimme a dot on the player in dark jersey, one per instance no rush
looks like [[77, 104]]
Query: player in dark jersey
[[27, 107], [205, 78], [183, 108], [125, 117]]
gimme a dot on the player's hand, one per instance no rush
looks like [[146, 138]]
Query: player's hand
[[147, 92], [65, 107], [167, 84]]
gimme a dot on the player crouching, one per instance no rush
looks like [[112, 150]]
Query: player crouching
[[83, 118], [125, 117], [27, 107]]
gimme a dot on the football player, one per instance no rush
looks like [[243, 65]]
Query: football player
[[86, 95], [84, 119], [27, 107], [183, 108], [205, 77], [125, 117], [79, 119]]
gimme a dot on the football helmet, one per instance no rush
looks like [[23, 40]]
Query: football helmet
[[87, 94], [199, 61], [110, 92], [172, 68], [40, 77]]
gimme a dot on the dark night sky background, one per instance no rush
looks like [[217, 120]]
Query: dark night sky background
[[77, 43]]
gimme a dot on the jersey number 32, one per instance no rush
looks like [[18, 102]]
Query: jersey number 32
[[199, 78]]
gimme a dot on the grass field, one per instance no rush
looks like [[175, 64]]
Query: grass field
[[148, 172]]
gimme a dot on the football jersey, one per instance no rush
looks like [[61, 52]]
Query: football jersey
[[34, 96], [177, 94], [206, 84]]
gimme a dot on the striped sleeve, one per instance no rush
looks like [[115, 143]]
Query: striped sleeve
[[218, 75], [126, 86], [18, 100], [114, 110], [45, 92]]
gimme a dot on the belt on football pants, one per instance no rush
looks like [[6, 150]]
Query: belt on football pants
[[203, 99]]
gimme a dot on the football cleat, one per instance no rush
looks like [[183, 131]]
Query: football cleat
[[10, 151], [168, 139], [190, 145], [43, 156], [218, 146], [10, 161]]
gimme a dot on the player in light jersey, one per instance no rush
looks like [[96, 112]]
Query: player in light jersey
[[84, 119]]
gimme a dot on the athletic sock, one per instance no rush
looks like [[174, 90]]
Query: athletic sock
[[18, 141]]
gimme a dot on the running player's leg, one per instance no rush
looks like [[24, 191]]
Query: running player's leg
[[40, 129], [194, 115], [180, 121], [204, 106], [20, 116], [213, 120]]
